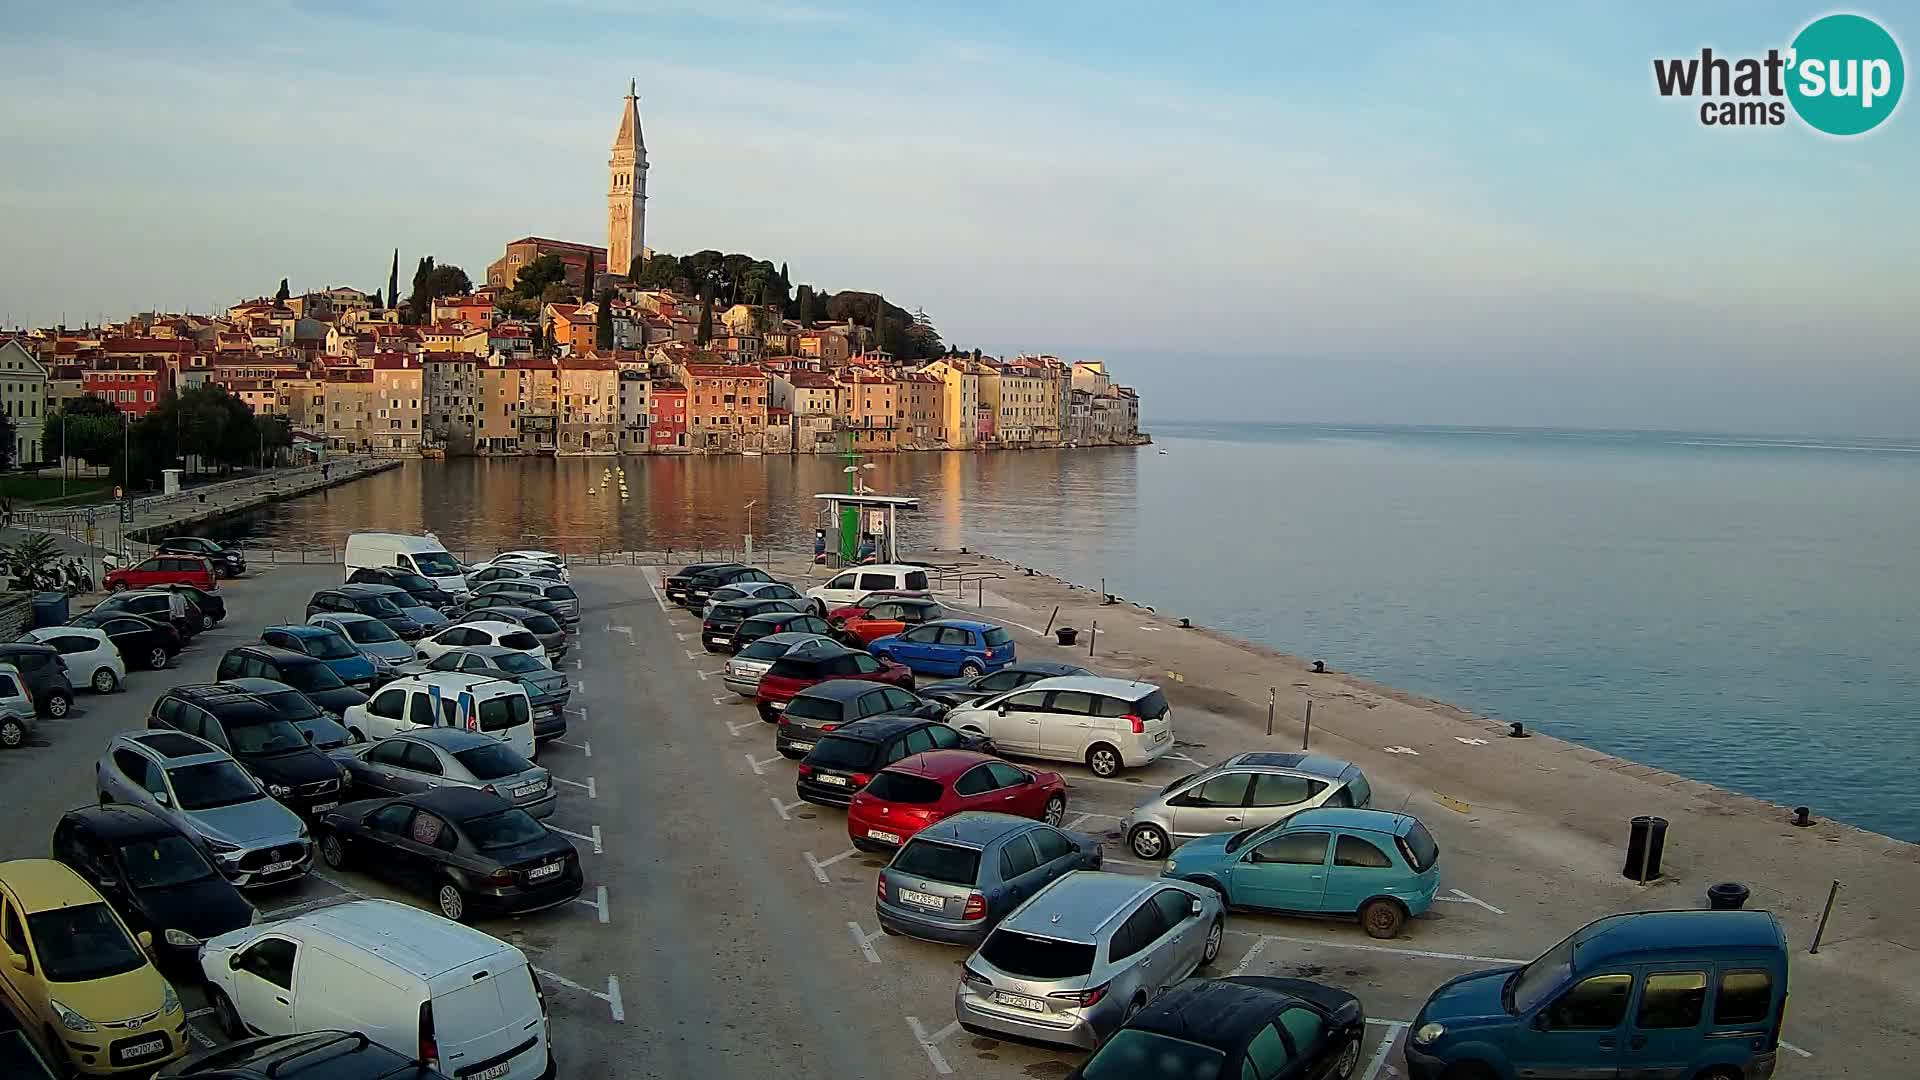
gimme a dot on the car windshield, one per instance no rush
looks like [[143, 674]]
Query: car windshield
[[82, 943], [1133, 1054], [379, 607], [1532, 984], [764, 650], [518, 663], [493, 761], [503, 829], [498, 714], [325, 730], [310, 677], [519, 639], [436, 563], [938, 862], [1419, 848], [291, 704], [412, 582], [835, 752], [540, 624], [163, 862], [561, 592], [1151, 707], [805, 707], [370, 631], [269, 737], [1031, 957], [329, 647], [215, 783], [905, 788]]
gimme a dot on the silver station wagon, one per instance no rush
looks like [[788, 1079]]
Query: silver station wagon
[[1246, 791]]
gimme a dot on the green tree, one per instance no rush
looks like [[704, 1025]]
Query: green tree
[[434, 283], [393, 280], [377, 305], [538, 277], [603, 321], [706, 317], [806, 306], [284, 291], [7, 438], [586, 285], [557, 293]]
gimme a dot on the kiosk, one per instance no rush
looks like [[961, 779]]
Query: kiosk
[[851, 518]]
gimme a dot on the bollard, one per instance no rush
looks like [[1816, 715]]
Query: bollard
[[1269, 712], [1646, 841], [1518, 731], [1802, 817], [1065, 635], [1091, 636], [1727, 896], [1306, 732], [1319, 667], [1186, 624], [1050, 618], [1821, 930]]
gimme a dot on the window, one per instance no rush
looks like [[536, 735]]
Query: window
[[1005, 775], [392, 752], [14, 932], [1225, 790], [1595, 1004], [1075, 702], [918, 741], [1418, 847], [1294, 848], [1746, 997], [420, 710], [976, 781], [421, 759], [943, 737], [1141, 929], [953, 635], [1266, 1055], [1175, 906], [1017, 857], [1270, 789], [1050, 844], [864, 664], [1672, 999], [1354, 851], [388, 704], [270, 959]]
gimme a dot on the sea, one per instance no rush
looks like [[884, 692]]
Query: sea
[[1744, 610]]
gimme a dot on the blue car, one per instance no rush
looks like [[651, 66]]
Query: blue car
[[948, 647], [1383, 868], [324, 644]]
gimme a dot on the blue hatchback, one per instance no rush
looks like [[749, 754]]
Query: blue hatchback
[[1379, 866], [324, 644], [948, 647]]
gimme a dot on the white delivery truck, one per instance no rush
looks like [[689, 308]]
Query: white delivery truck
[[422, 555]]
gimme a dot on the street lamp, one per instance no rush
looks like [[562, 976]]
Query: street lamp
[[750, 505]]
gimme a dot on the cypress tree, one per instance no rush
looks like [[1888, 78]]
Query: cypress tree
[[603, 319], [586, 286], [706, 316], [393, 281], [284, 291]]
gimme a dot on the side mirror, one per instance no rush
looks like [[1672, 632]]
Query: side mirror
[[1197, 908], [309, 735], [233, 962], [145, 938], [107, 883], [1540, 1021], [1002, 709], [19, 962], [161, 798]]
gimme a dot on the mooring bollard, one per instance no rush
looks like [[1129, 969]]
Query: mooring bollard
[[1802, 816], [1646, 841], [1727, 896], [1821, 930], [1306, 732], [1092, 635], [1518, 731]]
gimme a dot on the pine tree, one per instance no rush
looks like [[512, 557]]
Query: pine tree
[[284, 291], [393, 281], [603, 318], [586, 286], [706, 316]]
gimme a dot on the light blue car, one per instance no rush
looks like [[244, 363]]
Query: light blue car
[[1380, 867]]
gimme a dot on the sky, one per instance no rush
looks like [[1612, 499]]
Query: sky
[[1474, 214]]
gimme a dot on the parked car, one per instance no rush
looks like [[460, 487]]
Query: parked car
[[423, 591], [269, 747], [153, 876], [1012, 677], [498, 707], [481, 632], [954, 880], [372, 639], [513, 570], [702, 585], [796, 671], [17, 714], [1672, 993], [565, 601], [71, 965], [1245, 791], [843, 762], [753, 590], [716, 630], [911, 794], [838, 615], [44, 673], [853, 584], [836, 703], [483, 607], [959, 647], [160, 604], [309, 675], [163, 570], [322, 730], [328, 645], [769, 623], [212, 606], [1241, 1026], [422, 555], [1078, 957], [402, 977], [473, 852], [308, 1055], [426, 615], [87, 653], [440, 757], [227, 561], [1110, 724], [745, 667], [676, 585], [340, 598], [204, 793], [544, 627], [1379, 867], [548, 691], [868, 625], [147, 642]]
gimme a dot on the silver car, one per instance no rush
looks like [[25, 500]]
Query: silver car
[[417, 761], [745, 667], [1246, 791], [17, 713], [546, 688], [204, 793], [566, 602], [1072, 963], [375, 639], [760, 590]]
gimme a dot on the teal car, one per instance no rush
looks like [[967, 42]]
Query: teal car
[[1380, 867]]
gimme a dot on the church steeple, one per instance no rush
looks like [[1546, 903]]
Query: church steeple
[[627, 190]]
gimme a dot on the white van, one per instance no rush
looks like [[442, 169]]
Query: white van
[[497, 707], [422, 555], [470, 1005], [849, 586]]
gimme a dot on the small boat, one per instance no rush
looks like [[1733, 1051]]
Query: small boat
[[591, 491], [749, 453], [1163, 451]]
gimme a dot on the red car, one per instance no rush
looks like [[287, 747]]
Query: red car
[[165, 570], [910, 795], [890, 617], [841, 614], [793, 673]]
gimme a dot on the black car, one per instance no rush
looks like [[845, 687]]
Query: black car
[[157, 879], [44, 673], [213, 606], [703, 583], [149, 643], [678, 584], [1011, 677], [1244, 1025], [768, 623], [309, 1055], [477, 607], [716, 632], [422, 590], [155, 604], [227, 561], [265, 744], [844, 761], [836, 703], [312, 677], [349, 598], [296, 708], [472, 852]]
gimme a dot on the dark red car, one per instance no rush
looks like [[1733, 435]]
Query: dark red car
[[793, 673], [841, 614], [911, 794], [165, 570]]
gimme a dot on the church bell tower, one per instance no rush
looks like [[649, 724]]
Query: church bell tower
[[627, 190]]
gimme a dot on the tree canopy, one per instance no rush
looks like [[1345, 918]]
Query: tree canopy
[[430, 283], [537, 279]]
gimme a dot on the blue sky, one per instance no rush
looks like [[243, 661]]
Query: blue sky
[[1392, 213]]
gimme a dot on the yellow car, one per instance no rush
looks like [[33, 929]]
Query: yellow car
[[68, 964]]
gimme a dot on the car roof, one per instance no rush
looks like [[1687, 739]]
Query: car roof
[[511, 609], [26, 647], [876, 728], [368, 588], [972, 828], [1221, 1013], [939, 764], [965, 624], [276, 654], [118, 821], [492, 626], [1126, 689], [1077, 905], [1619, 938], [1052, 668], [775, 618], [1311, 764], [1342, 817], [900, 568], [460, 803], [699, 567], [795, 637], [919, 600], [418, 942], [837, 689], [491, 652], [254, 684], [452, 740], [305, 629], [458, 680], [344, 616], [178, 747], [43, 884]]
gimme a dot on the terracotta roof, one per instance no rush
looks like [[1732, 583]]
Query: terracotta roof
[[812, 380], [391, 362], [587, 363], [145, 345]]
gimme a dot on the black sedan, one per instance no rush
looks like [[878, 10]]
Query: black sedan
[[476, 607], [211, 604], [677, 585], [227, 561], [1246, 1025], [157, 879], [1011, 677], [844, 761], [471, 851], [155, 604], [147, 642], [716, 630]]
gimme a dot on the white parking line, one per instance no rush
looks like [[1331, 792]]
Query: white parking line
[[594, 839], [786, 809], [864, 940], [1461, 896], [591, 792], [577, 664], [691, 655], [611, 997], [1424, 953], [1247, 960], [1189, 760], [760, 767], [930, 1043], [583, 746], [820, 865], [1795, 1049], [627, 630], [1130, 862], [337, 883], [1394, 1028], [201, 1037], [580, 686], [720, 700], [598, 903], [705, 675], [657, 598], [578, 710], [734, 728]]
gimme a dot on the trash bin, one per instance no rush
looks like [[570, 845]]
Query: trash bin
[[1727, 896], [1066, 634], [49, 608], [1646, 841]]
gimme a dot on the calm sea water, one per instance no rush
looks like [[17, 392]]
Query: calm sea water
[[1741, 610]]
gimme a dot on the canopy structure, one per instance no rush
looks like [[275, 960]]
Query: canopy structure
[[851, 520]]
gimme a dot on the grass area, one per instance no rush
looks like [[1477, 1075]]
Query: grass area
[[33, 488]]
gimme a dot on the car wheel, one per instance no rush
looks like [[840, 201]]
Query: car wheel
[[1382, 918], [1104, 760], [333, 850], [225, 1014], [819, 609], [59, 704], [1718, 1072], [1133, 1010], [1056, 811], [1349, 1060], [453, 903], [157, 658], [1215, 934], [119, 586], [971, 670], [1468, 1070], [105, 681], [206, 621], [106, 799], [13, 733], [354, 736], [1148, 841]]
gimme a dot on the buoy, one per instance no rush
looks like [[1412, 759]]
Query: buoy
[[590, 491]]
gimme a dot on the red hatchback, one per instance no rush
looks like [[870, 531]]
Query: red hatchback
[[841, 614], [910, 795], [165, 570], [793, 673]]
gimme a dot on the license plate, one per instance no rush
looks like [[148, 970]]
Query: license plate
[[883, 837], [1163, 736], [777, 706], [1019, 1001], [721, 639], [276, 868], [802, 746], [494, 1073], [534, 788], [321, 807], [927, 900], [543, 871], [829, 778]]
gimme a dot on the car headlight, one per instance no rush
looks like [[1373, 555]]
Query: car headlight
[[1428, 1034], [279, 791], [182, 939], [1172, 865], [304, 835], [253, 916], [69, 1019], [171, 1002], [221, 847]]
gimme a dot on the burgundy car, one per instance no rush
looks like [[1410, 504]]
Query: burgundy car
[[793, 673], [910, 795]]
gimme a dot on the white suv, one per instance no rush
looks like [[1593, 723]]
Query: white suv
[[1110, 724]]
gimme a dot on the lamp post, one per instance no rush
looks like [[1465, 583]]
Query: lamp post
[[750, 505]]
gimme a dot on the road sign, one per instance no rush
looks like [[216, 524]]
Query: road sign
[[126, 511]]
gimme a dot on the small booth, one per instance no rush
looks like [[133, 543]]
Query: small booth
[[849, 519]]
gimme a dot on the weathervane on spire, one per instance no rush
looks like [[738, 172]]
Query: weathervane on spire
[[631, 84]]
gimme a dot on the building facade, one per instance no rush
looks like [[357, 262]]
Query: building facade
[[23, 395]]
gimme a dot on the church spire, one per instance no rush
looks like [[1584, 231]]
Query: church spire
[[627, 188], [630, 137]]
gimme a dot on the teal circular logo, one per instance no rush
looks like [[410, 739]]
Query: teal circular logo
[[1846, 74]]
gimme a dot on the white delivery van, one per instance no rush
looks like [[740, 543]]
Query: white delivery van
[[496, 707], [850, 585], [468, 1004], [422, 555]]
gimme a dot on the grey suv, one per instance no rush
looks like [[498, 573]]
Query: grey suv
[[1246, 791], [45, 674]]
